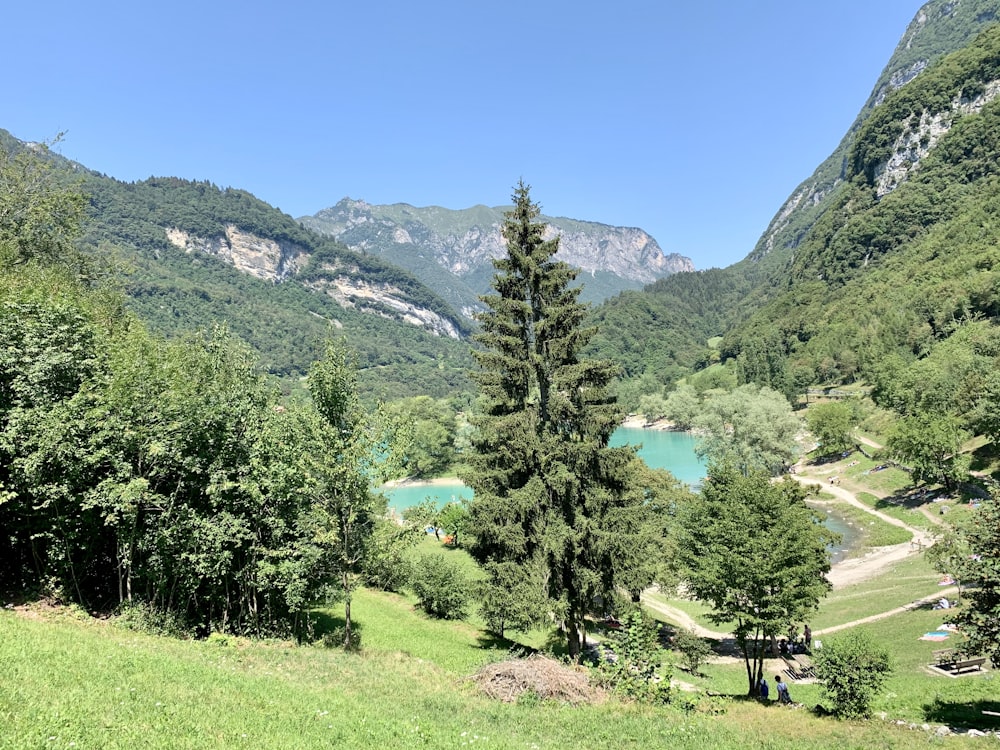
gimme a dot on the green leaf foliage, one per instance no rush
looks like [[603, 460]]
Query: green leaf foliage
[[978, 616], [636, 669], [852, 669], [441, 587], [832, 424], [757, 554]]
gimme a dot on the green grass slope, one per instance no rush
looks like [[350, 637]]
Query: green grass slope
[[84, 683]]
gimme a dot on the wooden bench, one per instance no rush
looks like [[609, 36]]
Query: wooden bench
[[797, 670], [961, 666]]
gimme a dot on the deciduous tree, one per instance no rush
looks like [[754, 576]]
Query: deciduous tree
[[351, 450], [978, 617], [832, 424], [752, 428], [757, 554], [931, 444]]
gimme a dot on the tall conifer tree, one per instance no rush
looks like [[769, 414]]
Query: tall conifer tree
[[548, 489]]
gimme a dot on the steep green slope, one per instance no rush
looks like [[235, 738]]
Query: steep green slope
[[900, 264], [285, 318], [662, 331], [673, 330], [939, 28]]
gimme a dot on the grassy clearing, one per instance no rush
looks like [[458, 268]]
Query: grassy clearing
[[89, 684], [914, 693], [906, 582], [906, 508], [874, 532], [696, 610]]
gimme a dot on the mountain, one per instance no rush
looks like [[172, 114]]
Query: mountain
[[194, 255], [939, 28], [804, 256], [451, 250], [902, 266]]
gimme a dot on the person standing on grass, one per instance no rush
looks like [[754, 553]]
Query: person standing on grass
[[783, 696]]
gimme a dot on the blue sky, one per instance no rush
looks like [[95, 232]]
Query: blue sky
[[691, 120]]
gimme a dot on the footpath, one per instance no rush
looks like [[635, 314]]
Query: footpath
[[844, 573]]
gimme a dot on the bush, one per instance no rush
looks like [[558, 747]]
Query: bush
[[441, 587], [636, 669], [145, 618], [693, 649], [852, 669], [386, 565]]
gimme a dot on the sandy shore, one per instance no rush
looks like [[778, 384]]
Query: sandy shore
[[409, 482], [638, 422]]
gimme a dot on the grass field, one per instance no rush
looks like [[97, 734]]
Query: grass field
[[71, 681], [906, 582], [89, 684]]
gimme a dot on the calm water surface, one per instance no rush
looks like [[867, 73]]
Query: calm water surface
[[660, 449]]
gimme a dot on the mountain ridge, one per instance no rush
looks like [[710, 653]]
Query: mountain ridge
[[453, 249]]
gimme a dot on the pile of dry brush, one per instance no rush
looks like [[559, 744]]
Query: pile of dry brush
[[540, 676]]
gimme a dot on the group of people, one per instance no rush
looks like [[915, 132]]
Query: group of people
[[780, 686], [792, 645]]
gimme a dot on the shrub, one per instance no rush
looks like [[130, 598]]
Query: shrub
[[693, 649], [145, 618], [441, 587], [386, 565], [852, 669], [635, 669]]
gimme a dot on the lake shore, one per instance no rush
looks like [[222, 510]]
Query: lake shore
[[410, 482], [638, 422], [633, 421]]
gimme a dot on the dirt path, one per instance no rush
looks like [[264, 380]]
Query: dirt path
[[841, 574], [882, 615], [877, 560], [868, 441], [681, 618]]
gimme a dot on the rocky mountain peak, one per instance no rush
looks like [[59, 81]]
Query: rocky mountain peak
[[452, 250]]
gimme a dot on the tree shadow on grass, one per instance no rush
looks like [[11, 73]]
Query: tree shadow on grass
[[970, 715], [328, 629], [911, 498], [493, 642], [986, 457]]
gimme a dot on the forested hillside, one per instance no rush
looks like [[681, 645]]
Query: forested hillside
[[808, 295], [903, 264], [285, 302]]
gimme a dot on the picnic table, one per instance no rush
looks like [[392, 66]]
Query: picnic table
[[799, 667]]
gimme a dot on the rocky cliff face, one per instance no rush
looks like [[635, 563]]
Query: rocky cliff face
[[451, 251], [917, 140], [939, 27], [264, 258], [275, 261]]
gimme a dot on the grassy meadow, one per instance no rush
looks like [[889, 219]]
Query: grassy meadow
[[78, 682], [72, 681]]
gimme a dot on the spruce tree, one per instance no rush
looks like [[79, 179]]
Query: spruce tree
[[550, 495]]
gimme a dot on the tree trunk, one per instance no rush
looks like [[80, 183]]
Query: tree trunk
[[573, 638], [347, 615]]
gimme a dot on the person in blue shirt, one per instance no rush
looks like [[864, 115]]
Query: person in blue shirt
[[762, 688], [783, 696]]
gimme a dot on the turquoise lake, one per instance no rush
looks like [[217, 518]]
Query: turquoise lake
[[660, 449]]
